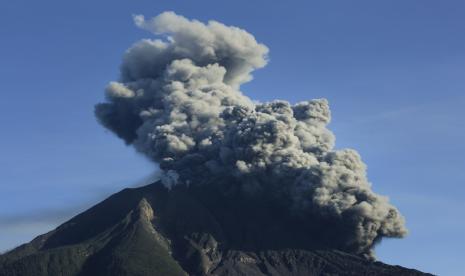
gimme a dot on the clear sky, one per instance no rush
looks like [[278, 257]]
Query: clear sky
[[393, 72]]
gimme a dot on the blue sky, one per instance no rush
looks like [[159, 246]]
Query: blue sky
[[393, 71]]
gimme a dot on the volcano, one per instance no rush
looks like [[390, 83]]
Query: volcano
[[153, 230]]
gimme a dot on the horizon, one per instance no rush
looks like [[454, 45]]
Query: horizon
[[392, 72]]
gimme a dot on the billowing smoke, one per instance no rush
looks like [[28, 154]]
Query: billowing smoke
[[178, 102]]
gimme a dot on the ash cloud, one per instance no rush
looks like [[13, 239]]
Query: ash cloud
[[178, 102]]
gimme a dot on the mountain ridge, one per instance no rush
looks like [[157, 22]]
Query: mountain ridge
[[151, 230]]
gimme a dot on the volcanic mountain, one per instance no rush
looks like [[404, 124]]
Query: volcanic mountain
[[153, 230]]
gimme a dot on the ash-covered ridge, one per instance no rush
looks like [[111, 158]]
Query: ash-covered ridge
[[178, 102]]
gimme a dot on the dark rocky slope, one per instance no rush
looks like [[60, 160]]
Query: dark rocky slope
[[153, 231]]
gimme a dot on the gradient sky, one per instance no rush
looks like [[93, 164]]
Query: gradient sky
[[393, 72]]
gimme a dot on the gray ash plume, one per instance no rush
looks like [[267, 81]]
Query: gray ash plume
[[178, 102]]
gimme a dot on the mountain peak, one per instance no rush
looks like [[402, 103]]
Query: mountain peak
[[155, 231]]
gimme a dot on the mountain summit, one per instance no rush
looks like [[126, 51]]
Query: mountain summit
[[153, 230]]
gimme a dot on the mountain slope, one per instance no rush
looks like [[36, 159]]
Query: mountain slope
[[154, 231]]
